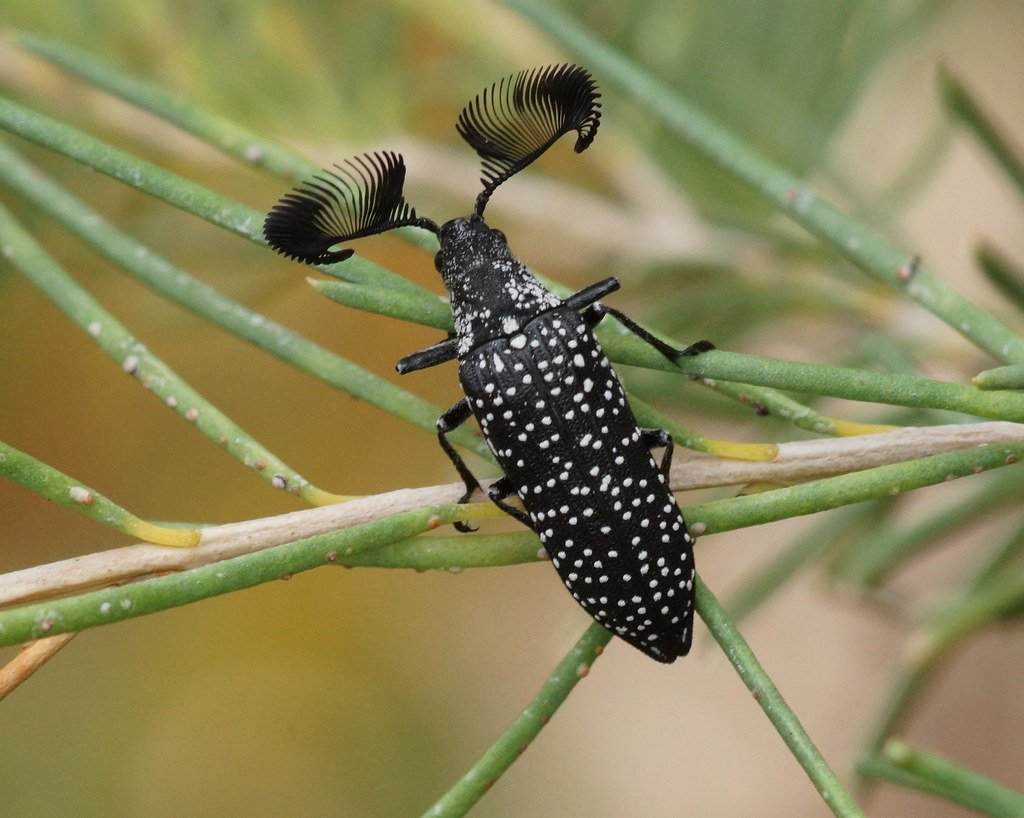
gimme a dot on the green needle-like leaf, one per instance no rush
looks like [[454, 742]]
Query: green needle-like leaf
[[70, 493], [20, 250], [902, 764], [964, 107], [792, 195]]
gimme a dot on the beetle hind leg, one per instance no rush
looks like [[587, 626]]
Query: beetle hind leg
[[660, 439], [498, 492]]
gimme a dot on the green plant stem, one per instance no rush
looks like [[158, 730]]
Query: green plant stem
[[833, 492], [452, 553], [864, 248], [764, 400], [705, 518], [187, 291], [820, 379], [767, 578], [1003, 273], [215, 130], [881, 553], [175, 190], [65, 491], [980, 603], [964, 107], [903, 691], [1001, 377], [433, 313], [949, 626], [20, 249], [1001, 558], [770, 700], [109, 605], [222, 133], [834, 381], [905, 765], [516, 738]]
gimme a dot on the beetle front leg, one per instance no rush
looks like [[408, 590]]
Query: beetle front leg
[[501, 489], [448, 422], [439, 353]]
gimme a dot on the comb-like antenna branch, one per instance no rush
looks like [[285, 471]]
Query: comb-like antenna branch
[[361, 198], [519, 117]]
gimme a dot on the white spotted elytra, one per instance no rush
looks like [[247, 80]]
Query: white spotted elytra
[[549, 404]]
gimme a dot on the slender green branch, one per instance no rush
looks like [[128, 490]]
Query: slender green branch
[[706, 518], [964, 107], [651, 418], [110, 605], [516, 738], [1000, 596], [835, 381], [218, 131], [1001, 377], [1001, 558], [770, 700], [879, 555], [70, 493], [904, 690], [173, 189], [767, 401], [453, 554], [768, 577], [902, 764], [222, 133], [984, 599], [821, 379], [189, 292], [868, 250], [1001, 272], [21, 250], [429, 312], [832, 492]]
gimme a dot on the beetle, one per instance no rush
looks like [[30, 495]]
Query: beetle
[[547, 401]]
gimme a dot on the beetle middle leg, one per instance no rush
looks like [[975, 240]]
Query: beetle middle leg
[[594, 313], [448, 422]]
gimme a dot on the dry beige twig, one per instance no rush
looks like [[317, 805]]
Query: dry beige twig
[[796, 462], [31, 657]]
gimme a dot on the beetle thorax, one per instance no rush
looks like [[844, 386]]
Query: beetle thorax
[[492, 292]]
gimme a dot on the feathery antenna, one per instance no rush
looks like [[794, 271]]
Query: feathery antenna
[[514, 121]]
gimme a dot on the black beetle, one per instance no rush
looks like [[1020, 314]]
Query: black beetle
[[549, 404]]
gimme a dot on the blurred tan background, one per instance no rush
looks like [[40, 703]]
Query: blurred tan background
[[368, 693]]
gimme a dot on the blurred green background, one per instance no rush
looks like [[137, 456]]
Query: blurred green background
[[367, 693]]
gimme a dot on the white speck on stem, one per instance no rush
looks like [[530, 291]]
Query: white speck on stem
[[81, 495]]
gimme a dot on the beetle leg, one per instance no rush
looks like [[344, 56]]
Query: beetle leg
[[590, 295], [448, 422], [593, 315], [439, 353], [660, 439], [498, 491]]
